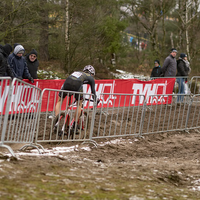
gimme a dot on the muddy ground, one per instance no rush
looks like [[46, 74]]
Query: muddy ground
[[158, 166]]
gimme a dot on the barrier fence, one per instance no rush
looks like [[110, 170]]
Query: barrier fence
[[166, 117], [46, 131], [21, 113], [194, 84], [24, 119], [3, 118]]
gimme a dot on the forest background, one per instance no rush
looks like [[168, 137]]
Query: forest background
[[69, 34]]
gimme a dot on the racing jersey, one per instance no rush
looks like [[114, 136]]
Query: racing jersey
[[75, 81]]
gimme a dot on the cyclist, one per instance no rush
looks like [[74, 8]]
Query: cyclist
[[75, 83]]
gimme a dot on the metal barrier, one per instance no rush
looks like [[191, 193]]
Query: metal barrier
[[194, 84], [193, 120], [20, 114], [167, 114], [28, 115], [111, 119], [122, 116], [5, 87], [46, 130]]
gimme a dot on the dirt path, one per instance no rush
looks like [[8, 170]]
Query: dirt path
[[159, 166]]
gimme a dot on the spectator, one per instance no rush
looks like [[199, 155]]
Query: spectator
[[18, 64], [156, 71], [15, 45], [142, 45], [4, 67], [183, 69], [32, 63], [169, 66]]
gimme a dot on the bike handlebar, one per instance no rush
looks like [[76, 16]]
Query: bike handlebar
[[89, 100], [83, 99]]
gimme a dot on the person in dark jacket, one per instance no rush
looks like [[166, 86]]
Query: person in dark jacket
[[183, 69], [18, 64], [169, 66], [156, 71], [32, 63], [4, 67]]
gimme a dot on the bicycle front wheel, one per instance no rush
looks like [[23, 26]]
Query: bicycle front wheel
[[83, 125], [61, 123]]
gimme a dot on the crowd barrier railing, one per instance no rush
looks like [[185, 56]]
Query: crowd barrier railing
[[52, 128], [121, 116], [126, 115], [20, 111], [116, 117], [193, 120], [5, 87], [28, 114], [166, 117], [194, 85]]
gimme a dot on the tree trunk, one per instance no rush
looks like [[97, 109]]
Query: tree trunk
[[186, 32], [172, 41], [67, 41], [44, 32]]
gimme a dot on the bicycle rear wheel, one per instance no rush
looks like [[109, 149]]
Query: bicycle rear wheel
[[61, 124]]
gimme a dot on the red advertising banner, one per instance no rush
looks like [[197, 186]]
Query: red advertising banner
[[135, 87], [24, 97], [107, 90]]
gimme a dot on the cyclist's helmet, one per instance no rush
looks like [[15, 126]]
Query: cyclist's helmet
[[90, 69]]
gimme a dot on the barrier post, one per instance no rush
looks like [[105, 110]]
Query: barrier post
[[5, 122], [188, 113], [143, 115], [93, 119]]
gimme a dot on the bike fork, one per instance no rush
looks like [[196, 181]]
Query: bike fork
[[72, 122], [56, 124], [65, 124]]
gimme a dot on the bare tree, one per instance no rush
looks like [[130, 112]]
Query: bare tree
[[149, 14], [187, 14], [67, 40], [44, 31]]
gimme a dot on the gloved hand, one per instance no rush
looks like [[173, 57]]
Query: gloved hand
[[31, 79]]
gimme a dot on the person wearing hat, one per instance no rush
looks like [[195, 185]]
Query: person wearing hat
[[18, 64], [169, 66], [156, 71], [183, 70], [4, 67], [32, 63]]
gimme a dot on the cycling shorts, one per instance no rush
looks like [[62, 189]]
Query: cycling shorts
[[72, 85]]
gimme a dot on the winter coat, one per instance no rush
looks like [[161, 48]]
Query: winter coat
[[4, 67], [18, 66], [156, 72], [182, 69], [32, 66], [169, 67]]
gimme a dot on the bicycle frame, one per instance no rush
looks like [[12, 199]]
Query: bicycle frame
[[68, 122]]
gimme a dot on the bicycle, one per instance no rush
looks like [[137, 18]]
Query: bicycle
[[62, 124]]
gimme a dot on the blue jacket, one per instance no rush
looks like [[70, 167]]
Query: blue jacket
[[18, 66]]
